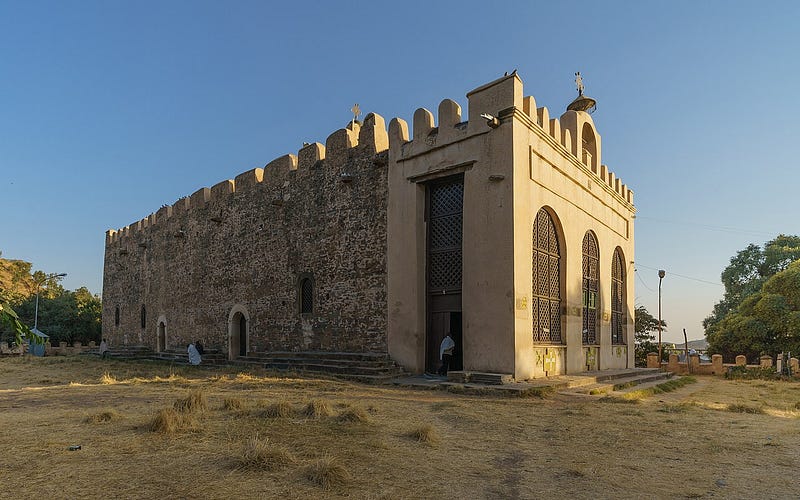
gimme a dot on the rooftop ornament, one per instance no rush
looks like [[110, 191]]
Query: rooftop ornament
[[582, 102]]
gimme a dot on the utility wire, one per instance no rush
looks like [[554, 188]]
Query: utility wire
[[682, 276], [722, 229], [639, 275]]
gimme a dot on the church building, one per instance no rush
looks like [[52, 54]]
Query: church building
[[502, 228]]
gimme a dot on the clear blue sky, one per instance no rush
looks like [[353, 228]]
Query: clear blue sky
[[110, 109]]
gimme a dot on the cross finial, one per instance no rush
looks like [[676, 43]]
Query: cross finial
[[579, 83]]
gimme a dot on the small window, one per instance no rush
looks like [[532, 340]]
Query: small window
[[144, 317], [116, 316], [306, 296]]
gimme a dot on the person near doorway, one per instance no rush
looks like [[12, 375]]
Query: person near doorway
[[194, 356], [103, 348], [446, 353]]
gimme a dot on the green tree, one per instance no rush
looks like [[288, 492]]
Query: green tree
[[645, 330], [747, 272], [766, 322]]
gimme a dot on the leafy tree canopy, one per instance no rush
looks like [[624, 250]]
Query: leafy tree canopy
[[767, 321], [645, 328]]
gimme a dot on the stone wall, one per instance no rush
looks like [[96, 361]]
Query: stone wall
[[247, 243]]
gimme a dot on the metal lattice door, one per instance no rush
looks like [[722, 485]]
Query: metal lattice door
[[445, 206]]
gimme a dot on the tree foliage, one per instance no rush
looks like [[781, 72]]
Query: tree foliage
[[63, 315], [754, 315], [645, 330]]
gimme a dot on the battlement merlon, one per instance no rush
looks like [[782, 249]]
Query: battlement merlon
[[371, 136], [573, 133]]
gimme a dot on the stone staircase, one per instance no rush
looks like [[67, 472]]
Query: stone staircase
[[597, 383], [364, 367]]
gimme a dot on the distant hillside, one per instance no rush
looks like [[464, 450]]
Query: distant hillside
[[700, 345]]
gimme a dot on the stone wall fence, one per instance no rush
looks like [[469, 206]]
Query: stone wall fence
[[715, 367]]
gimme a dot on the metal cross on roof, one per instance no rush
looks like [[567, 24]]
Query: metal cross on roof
[[579, 82]]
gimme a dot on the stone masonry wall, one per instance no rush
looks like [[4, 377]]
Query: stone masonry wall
[[249, 241]]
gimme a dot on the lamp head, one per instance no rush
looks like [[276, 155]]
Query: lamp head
[[661, 273]]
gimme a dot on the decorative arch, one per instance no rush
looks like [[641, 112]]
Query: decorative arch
[[589, 147], [161, 334], [590, 288], [238, 332], [618, 298], [547, 281]]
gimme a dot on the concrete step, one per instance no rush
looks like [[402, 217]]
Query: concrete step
[[618, 383]]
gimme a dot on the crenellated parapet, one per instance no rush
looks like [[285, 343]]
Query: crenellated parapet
[[369, 138], [573, 133]]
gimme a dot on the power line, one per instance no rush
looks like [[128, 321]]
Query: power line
[[639, 275], [682, 276], [722, 229]]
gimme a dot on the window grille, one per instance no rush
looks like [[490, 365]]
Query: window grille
[[445, 223], [617, 299], [546, 300], [144, 317], [116, 316], [591, 273], [306, 296]]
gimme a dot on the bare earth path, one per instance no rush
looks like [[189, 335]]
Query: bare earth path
[[686, 444]]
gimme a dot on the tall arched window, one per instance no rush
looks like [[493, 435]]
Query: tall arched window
[[116, 316], [591, 278], [617, 298], [546, 299], [306, 296], [144, 317]]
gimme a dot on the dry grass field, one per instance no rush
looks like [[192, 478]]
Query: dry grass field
[[151, 430]]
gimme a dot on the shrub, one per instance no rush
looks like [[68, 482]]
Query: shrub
[[170, 421], [232, 404], [259, 454], [740, 372], [743, 408], [424, 434], [103, 417], [281, 409], [326, 472], [316, 408], [195, 401], [108, 379], [354, 414]]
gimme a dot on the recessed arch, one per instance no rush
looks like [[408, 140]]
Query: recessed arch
[[589, 147], [618, 297], [305, 293], [161, 333], [238, 332], [590, 288], [547, 278]]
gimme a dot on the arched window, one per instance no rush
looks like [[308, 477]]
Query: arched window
[[617, 299], [546, 296], [144, 317], [591, 278], [306, 296], [116, 316]]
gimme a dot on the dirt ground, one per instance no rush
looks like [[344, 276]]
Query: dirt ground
[[714, 438]]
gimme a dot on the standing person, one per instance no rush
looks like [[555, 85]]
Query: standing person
[[194, 356], [103, 348], [446, 353]]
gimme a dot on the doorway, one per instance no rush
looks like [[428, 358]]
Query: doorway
[[237, 333], [444, 217], [162, 337]]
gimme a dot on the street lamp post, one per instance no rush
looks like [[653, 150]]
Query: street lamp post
[[661, 275], [38, 287]]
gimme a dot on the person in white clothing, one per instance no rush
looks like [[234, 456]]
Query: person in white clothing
[[194, 356], [446, 353]]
